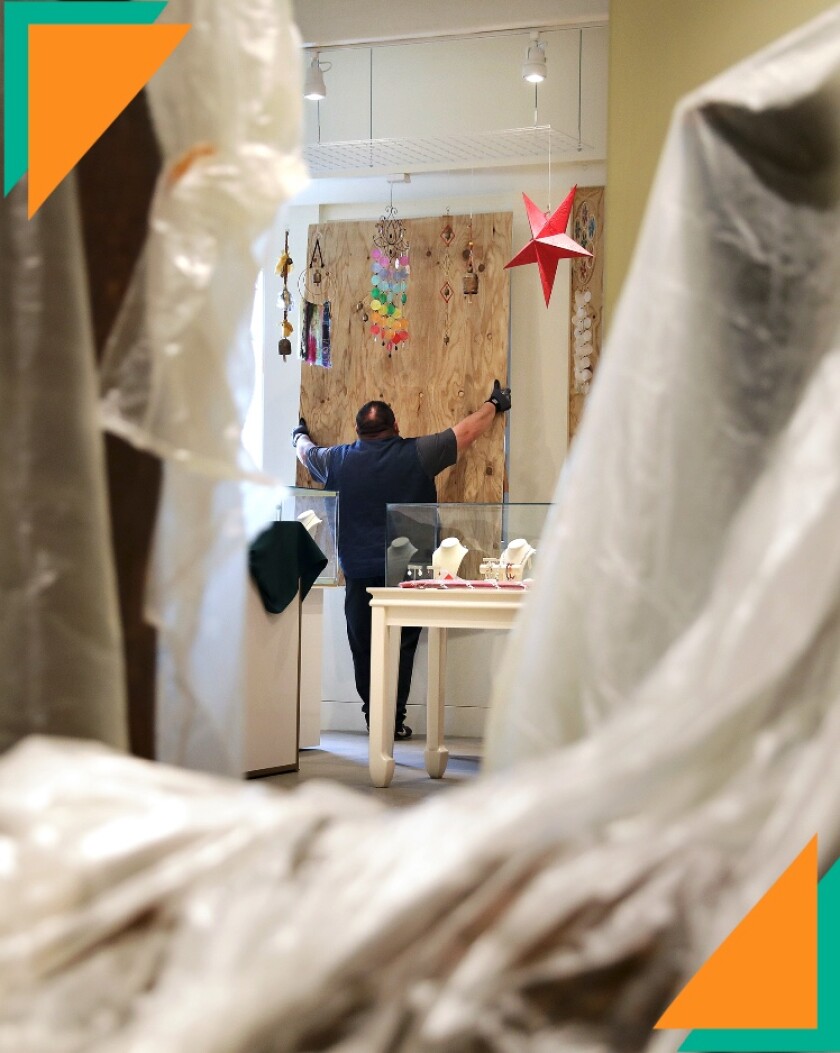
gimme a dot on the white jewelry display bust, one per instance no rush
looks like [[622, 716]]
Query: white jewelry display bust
[[448, 556], [398, 556], [516, 558], [309, 520]]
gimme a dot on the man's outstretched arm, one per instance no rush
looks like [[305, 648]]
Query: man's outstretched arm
[[302, 442], [476, 424]]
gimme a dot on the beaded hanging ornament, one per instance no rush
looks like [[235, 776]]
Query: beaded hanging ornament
[[390, 268], [447, 236], [284, 300]]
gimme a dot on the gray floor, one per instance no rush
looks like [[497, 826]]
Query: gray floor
[[343, 756]]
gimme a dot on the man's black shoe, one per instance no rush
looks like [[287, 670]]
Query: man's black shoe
[[401, 731]]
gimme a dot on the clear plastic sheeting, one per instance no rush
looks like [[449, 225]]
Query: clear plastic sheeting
[[226, 108], [145, 908], [179, 372], [61, 665], [161, 910], [689, 569], [197, 600]]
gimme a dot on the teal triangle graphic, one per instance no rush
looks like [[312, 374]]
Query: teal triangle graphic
[[825, 1038], [18, 16]]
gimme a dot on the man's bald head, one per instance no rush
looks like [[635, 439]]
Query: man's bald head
[[376, 420]]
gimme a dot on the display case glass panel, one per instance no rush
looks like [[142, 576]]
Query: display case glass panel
[[318, 511], [470, 541]]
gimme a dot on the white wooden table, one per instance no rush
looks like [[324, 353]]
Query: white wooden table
[[439, 610]]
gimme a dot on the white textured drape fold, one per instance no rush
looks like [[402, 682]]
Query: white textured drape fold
[[179, 369], [712, 396], [61, 665]]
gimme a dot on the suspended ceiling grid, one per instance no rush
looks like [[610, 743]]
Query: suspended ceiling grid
[[514, 146]]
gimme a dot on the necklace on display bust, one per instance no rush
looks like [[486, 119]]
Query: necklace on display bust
[[398, 557], [517, 553], [516, 558], [448, 556]]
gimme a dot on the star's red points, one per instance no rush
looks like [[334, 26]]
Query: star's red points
[[549, 242]]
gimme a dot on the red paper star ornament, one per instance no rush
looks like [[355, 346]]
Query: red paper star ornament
[[549, 242]]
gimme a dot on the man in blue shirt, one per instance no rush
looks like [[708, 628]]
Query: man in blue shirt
[[383, 468]]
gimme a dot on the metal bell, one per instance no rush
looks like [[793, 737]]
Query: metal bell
[[316, 277], [470, 283], [284, 347]]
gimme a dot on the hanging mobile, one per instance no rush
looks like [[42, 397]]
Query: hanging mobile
[[316, 324], [389, 280], [284, 268]]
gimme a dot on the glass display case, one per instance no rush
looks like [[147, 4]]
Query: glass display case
[[471, 541], [318, 511]]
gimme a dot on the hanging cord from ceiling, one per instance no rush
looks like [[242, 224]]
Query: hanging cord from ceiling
[[580, 88]]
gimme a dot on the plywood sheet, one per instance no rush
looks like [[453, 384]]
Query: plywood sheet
[[587, 277], [446, 369]]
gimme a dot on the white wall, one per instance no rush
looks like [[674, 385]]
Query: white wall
[[427, 98]]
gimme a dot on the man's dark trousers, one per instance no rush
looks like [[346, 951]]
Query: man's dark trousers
[[358, 614]]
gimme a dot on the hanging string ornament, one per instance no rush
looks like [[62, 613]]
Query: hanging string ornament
[[316, 325], [284, 268], [447, 236], [315, 282], [389, 281], [470, 279]]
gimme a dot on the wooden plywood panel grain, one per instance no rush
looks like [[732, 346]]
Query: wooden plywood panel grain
[[446, 369]]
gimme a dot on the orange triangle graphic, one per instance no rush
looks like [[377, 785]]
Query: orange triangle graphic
[[81, 78], [764, 974]]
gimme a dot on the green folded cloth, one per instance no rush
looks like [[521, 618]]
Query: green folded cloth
[[283, 559]]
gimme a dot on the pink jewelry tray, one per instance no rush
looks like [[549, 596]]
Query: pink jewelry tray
[[462, 583]]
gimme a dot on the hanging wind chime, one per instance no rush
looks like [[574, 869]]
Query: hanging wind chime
[[284, 268], [389, 281]]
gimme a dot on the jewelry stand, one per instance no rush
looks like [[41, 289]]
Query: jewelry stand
[[397, 559], [448, 557], [515, 559], [310, 521]]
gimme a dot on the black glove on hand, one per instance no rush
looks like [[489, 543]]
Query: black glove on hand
[[301, 429], [499, 397]]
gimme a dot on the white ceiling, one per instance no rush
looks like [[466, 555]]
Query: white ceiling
[[326, 23], [415, 98]]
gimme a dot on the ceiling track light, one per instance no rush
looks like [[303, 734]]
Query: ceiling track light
[[534, 68], [313, 84]]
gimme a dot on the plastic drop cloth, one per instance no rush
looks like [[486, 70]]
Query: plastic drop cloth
[[179, 370], [699, 500], [60, 644]]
